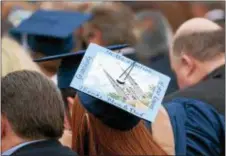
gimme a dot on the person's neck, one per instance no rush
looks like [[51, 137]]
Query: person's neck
[[10, 142], [47, 73], [209, 67], [204, 68]]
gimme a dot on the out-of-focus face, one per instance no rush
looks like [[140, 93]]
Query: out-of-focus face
[[92, 35]]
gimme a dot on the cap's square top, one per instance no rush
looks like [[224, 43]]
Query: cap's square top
[[105, 79], [58, 24]]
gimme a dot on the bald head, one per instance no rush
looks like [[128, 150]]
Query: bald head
[[199, 38], [197, 25], [198, 48]]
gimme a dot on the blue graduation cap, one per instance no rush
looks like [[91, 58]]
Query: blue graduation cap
[[70, 63], [110, 115], [117, 90], [51, 32]]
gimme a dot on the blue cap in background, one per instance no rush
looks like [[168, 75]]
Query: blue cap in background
[[51, 32]]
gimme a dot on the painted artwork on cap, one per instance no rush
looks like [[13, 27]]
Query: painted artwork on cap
[[120, 81]]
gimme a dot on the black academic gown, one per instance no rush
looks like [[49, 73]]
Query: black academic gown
[[210, 90], [161, 63], [44, 148]]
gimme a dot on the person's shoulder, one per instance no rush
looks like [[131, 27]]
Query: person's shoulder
[[193, 108], [211, 92], [45, 148], [188, 104], [199, 124]]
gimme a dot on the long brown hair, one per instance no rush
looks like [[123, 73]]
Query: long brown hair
[[103, 140]]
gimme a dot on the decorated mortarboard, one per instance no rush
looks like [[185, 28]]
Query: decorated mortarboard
[[70, 63], [51, 32], [117, 90]]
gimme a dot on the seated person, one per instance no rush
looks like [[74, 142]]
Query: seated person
[[198, 60], [155, 35], [111, 24], [32, 116], [65, 74], [182, 127]]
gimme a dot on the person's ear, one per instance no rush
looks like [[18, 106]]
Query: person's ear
[[66, 123], [70, 101], [188, 64], [3, 126]]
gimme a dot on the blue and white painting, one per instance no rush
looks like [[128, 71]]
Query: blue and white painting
[[120, 81]]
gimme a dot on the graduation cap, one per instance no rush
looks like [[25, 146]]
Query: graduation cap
[[110, 115], [70, 63], [118, 104], [51, 32]]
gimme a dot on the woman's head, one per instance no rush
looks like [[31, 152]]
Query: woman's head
[[14, 57], [92, 137]]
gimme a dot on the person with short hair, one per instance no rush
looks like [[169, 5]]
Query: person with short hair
[[198, 59], [112, 24], [32, 116], [155, 35]]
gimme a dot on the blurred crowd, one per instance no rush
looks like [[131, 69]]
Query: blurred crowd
[[42, 115]]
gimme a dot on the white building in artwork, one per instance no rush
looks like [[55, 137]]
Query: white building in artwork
[[136, 88], [130, 90]]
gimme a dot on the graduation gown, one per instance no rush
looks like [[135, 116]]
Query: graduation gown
[[44, 148], [210, 90], [198, 128], [161, 63], [189, 127]]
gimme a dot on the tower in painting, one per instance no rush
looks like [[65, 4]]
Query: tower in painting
[[136, 88], [115, 85], [126, 90]]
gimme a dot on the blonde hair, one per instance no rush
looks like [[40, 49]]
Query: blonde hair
[[14, 57]]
